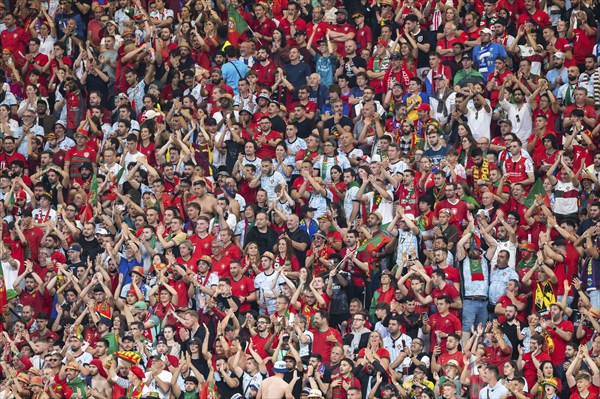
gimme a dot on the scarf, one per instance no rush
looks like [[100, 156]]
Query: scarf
[[475, 262], [376, 201], [135, 392], [596, 77]]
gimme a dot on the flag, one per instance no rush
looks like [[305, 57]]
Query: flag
[[3, 300], [208, 390], [94, 190], [237, 25], [92, 199], [537, 189], [375, 243]]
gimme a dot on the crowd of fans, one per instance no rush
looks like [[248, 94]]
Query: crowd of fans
[[341, 200]]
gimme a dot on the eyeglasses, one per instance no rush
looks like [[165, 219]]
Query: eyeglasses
[[518, 118], [477, 115]]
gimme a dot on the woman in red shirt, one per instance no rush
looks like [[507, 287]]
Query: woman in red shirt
[[379, 352], [284, 256], [146, 145]]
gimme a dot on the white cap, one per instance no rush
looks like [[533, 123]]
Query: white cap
[[151, 114]]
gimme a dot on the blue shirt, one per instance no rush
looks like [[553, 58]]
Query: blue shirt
[[297, 75], [498, 281], [125, 267], [324, 66], [485, 57], [553, 74], [231, 75]]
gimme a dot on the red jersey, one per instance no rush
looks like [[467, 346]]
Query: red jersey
[[266, 73], [540, 17], [363, 37], [323, 346], [265, 28], [77, 157], [560, 345], [242, 288], [266, 150], [232, 251], [221, 267], [583, 45], [16, 42], [286, 25], [321, 28], [448, 324], [459, 211], [594, 392], [34, 236], [345, 29]]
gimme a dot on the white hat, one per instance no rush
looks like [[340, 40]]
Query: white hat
[[151, 114], [486, 31], [280, 367]]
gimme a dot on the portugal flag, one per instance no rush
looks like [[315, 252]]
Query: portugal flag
[[236, 25], [375, 243]]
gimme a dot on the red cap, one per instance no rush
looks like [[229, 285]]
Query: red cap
[[138, 372], [382, 42], [100, 367], [424, 107]]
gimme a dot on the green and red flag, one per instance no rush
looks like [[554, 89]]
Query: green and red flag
[[537, 189], [3, 300], [475, 263], [375, 243], [94, 190], [237, 25], [92, 199]]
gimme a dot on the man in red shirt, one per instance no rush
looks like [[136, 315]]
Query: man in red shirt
[[443, 324], [242, 286], [266, 139], [536, 351], [342, 31], [531, 13], [34, 60], [263, 26], [14, 39], [325, 337], [33, 234], [259, 341], [583, 37], [292, 22], [264, 68], [79, 154], [561, 332], [457, 206], [317, 23], [452, 353]]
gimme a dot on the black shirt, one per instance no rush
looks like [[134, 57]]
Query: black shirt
[[91, 249], [305, 128], [302, 237], [265, 241], [359, 62], [423, 37]]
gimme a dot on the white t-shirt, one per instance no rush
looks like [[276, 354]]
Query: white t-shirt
[[479, 122]]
